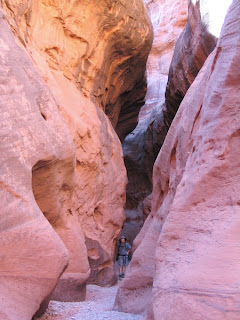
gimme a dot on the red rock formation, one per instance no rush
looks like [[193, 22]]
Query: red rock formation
[[33, 134], [190, 240], [100, 177], [192, 49], [194, 45], [101, 45], [141, 147], [76, 180], [168, 19]]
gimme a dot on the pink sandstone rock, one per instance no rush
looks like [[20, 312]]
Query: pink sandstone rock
[[192, 49], [100, 177], [141, 147], [188, 246], [194, 45], [100, 45], [168, 19], [33, 134], [86, 210]]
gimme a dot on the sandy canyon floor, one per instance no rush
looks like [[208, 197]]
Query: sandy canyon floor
[[97, 306]]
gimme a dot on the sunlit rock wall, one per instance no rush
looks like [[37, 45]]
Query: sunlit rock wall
[[195, 43], [33, 135], [185, 265], [143, 144], [168, 19], [61, 157], [101, 45]]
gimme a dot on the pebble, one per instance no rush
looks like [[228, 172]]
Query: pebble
[[97, 306]]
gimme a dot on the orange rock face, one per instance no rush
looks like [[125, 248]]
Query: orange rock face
[[192, 49], [168, 19], [101, 45], [141, 147], [190, 240], [100, 178], [33, 135], [63, 178]]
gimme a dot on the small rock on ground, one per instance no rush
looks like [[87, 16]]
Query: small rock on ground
[[97, 306]]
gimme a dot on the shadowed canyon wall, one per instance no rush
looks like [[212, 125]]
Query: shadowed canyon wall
[[142, 146], [187, 256], [102, 46], [63, 178]]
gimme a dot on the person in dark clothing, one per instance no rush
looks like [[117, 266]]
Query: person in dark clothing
[[123, 251]]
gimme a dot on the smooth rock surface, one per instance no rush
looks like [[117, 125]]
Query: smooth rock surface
[[191, 235], [195, 43], [33, 133], [168, 19], [68, 162], [141, 146], [192, 49], [100, 45]]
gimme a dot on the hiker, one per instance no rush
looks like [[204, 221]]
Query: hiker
[[123, 251]]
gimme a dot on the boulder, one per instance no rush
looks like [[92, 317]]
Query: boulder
[[188, 247]]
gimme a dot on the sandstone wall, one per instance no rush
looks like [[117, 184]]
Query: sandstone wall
[[61, 156], [192, 49], [190, 240], [33, 134], [168, 19], [195, 43], [141, 147], [101, 45]]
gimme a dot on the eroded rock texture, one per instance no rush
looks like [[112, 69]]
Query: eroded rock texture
[[194, 45], [62, 173], [33, 134], [191, 235], [100, 178], [101, 45], [192, 48], [168, 19], [141, 147]]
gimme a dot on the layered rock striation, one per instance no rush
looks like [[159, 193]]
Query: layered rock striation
[[186, 264], [192, 49], [33, 135], [163, 98], [141, 146], [63, 178], [100, 45]]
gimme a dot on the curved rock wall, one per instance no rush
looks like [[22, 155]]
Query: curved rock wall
[[32, 132], [61, 156], [168, 19], [101, 45], [142, 146], [195, 43], [190, 240], [100, 177], [192, 49]]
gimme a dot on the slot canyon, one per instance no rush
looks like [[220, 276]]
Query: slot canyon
[[120, 119]]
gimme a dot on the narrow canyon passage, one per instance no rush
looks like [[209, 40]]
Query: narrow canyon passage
[[119, 119], [97, 306]]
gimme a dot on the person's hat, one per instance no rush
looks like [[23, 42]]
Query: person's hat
[[122, 237]]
